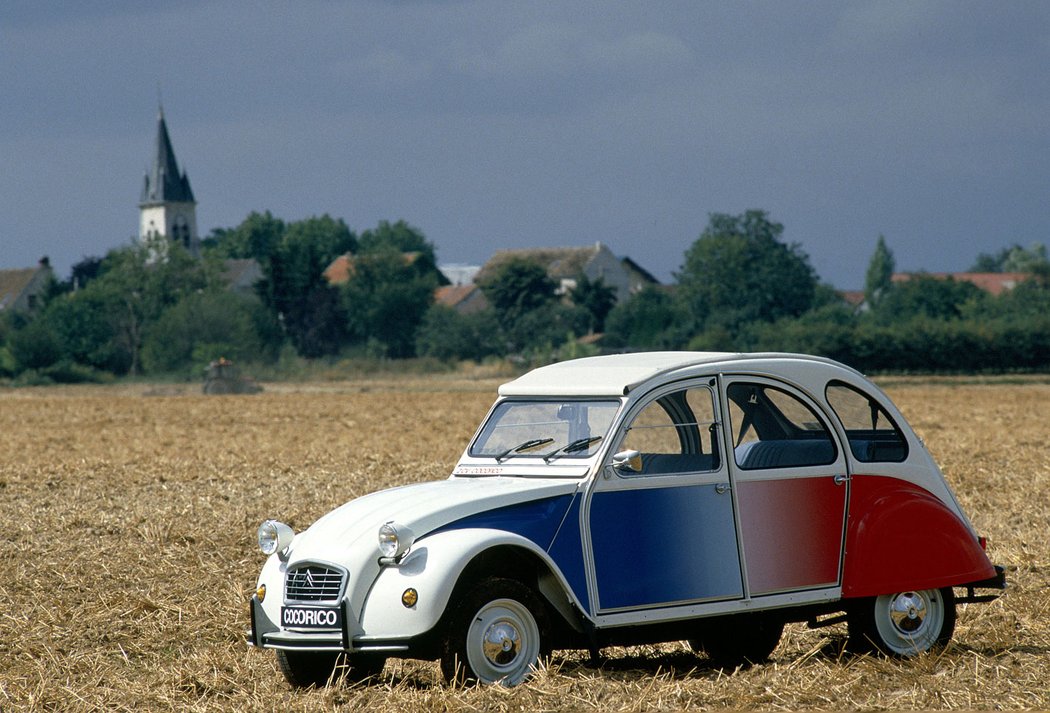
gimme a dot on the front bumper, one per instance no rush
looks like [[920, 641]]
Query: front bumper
[[265, 634]]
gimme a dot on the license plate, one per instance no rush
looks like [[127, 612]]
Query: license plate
[[312, 617]]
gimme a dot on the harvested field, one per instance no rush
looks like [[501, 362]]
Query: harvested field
[[128, 521]]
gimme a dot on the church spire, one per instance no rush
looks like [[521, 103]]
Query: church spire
[[164, 183], [167, 207]]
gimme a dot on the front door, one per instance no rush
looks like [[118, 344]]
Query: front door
[[663, 533], [791, 487]]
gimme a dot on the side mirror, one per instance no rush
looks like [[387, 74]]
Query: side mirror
[[627, 461]]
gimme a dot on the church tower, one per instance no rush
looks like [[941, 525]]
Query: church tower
[[167, 207]]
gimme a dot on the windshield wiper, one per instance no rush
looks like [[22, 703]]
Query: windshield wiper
[[527, 445], [580, 444]]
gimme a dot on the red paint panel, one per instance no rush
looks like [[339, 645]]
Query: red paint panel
[[792, 532], [899, 538]]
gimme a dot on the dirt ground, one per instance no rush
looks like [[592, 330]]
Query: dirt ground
[[127, 526]]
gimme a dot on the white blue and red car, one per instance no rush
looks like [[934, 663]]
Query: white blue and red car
[[638, 498]]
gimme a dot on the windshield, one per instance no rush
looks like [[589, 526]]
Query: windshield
[[545, 429]]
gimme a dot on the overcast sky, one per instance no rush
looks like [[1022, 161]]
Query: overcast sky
[[493, 125]]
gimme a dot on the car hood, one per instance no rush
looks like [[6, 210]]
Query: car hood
[[422, 508]]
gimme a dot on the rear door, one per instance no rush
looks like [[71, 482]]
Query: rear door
[[791, 486]]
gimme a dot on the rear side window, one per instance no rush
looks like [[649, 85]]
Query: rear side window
[[772, 428], [873, 436]]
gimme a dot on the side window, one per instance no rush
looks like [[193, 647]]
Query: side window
[[772, 428], [873, 436], [676, 433]]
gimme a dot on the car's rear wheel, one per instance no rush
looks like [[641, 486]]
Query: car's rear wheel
[[738, 640], [496, 635], [903, 624], [303, 669]]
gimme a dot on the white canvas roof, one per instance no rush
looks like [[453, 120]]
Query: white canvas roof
[[619, 374], [612, 375]]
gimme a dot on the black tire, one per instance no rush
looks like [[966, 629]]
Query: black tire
[[496, 634], [903, 624], [303, 669], [738, 640]]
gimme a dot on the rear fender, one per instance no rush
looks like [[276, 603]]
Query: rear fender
[[900, 537]]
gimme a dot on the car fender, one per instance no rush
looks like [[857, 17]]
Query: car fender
[[432, 568], [903, 538]]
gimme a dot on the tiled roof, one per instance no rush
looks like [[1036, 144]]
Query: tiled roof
[[342, 268], [452, 295], [994, 283], [561, 263]]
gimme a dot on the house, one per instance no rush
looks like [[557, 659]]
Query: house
[[565, 265], [241, 275], [994, 283], [465, 299], [22, 290], [340, 270]]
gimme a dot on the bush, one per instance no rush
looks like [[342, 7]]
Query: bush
[[35, 346], [203, 327], [450, 336]]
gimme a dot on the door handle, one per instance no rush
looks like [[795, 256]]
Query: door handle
[[722, 488], [841, 479]]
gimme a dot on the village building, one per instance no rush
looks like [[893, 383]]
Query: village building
[[565, 265], [465, 299], [23, 290], [994, 283], [242, 275], [167, 207]]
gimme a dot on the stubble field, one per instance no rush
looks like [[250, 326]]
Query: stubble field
[[128, 516]]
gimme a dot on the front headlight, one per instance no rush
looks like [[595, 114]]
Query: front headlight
[[394, 540], [275, 536]]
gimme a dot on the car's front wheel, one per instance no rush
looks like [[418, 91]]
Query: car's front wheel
[[903, 624], [495, 635], [303, 669]]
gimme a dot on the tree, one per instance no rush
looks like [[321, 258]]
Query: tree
[[878, 278], [645, 320], [448, 335], [386, 297], [35, 346], [402, 237], [137, 287], [1014, 259], [295, 289], [103, 324], [256, 237], [738, 271], [927, 297], [205, 326], [596, 297], [516, 288], [523, 298]]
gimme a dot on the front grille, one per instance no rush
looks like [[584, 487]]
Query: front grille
[[313, 583]]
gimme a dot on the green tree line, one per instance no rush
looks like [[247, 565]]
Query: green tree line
[[151, 308]]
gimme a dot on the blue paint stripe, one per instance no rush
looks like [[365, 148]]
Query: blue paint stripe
[[539, 521]]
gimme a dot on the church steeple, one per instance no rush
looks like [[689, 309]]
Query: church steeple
[[167, 207]]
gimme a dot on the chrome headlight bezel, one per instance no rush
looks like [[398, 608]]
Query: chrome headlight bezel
[[394, 540], [273, 537]]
